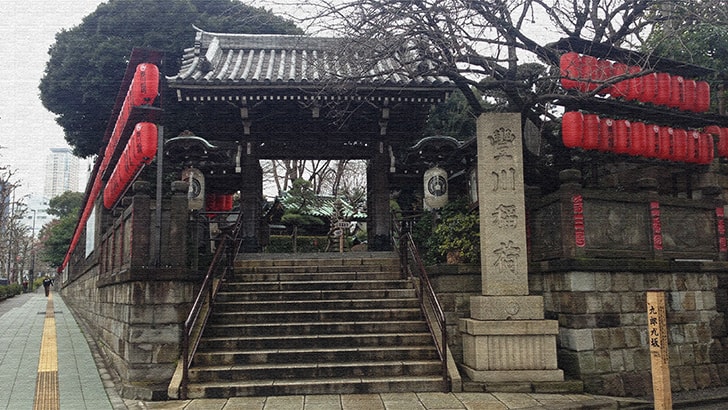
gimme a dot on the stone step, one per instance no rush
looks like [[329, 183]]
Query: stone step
[[344, 305], [317, 328], [317, 315], [352, 385], [279, 275], [298, 269], [316, 285], [321, 259], [291, 325], [313, 370], [226, 296], [228, 341], [342, 354]]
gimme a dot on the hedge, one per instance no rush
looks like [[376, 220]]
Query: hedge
[[304, 244], [8, 291]]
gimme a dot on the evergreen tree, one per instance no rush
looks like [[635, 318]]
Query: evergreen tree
[[87, 62]]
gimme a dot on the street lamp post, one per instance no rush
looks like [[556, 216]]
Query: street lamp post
[[31, 272]]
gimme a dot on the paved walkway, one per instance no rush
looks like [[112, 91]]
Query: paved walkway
[[27, 322], [27, 351]]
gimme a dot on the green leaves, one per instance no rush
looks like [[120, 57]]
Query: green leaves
[[88, 61]]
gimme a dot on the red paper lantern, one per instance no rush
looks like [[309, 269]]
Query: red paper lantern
[[622, 136], [693, 145], [591, 131], [601, 75], [210, 203], [705, 148], [140, 150], [702, 96], [689, 95], [144, 142], [679, 147], [588, 67], [665, 145], [619, 88], [652, 141], [607, 129], [677, 92], [570, 70], [649, 88], [635, 86], [572, 129], [662, 93], [637, 140], [145, 85]]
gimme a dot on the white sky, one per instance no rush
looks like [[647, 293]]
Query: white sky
[[27, 129]]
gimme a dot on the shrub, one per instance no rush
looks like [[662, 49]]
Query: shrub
[[304, 244], [454, 228], [8, 291], [460, 233]]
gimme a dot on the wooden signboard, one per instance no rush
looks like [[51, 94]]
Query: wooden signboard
[[657, 338]]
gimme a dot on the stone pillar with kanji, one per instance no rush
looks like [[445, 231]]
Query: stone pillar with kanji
[[506, 338]]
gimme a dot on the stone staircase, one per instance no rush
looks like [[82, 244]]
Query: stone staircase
[[332, 324]]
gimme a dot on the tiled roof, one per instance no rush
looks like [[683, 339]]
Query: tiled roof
[[245, 60]]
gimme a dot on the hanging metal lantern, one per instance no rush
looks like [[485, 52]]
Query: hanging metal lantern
[[435, 181], [196, 191]]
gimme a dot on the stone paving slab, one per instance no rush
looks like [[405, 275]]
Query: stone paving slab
[[391, 401]]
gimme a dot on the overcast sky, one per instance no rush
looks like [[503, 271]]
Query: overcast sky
[[27, 129]]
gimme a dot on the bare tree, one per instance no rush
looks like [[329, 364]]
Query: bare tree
[[484, 46], [327, 177], [15, 241]]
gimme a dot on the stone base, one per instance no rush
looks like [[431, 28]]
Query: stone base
[[510, 350], [506, 307], [498, 376]]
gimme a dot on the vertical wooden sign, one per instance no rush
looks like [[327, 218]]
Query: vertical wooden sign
[[657, 338]]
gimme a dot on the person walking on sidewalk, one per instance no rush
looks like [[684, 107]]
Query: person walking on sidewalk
[[47, 282]]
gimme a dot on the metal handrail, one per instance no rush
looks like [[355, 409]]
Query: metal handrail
[[429, 305], [227, 247]]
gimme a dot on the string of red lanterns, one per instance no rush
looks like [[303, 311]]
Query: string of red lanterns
[[139, 151], [587, 74], [634, 138]]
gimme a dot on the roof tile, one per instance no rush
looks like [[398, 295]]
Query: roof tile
[[298, 60]]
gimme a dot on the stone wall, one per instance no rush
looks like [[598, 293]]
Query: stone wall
[[601, 309], [454, 285], [137, 325], [133, 307]]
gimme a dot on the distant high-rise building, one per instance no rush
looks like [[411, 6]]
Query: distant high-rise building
[[61, 172]]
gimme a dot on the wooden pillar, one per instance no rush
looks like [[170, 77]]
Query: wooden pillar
[[379, 222], [251, 195]]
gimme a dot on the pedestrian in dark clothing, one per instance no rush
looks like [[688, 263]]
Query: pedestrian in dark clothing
[[47, 282]]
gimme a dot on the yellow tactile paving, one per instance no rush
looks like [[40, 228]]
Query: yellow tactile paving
[[46, 389]]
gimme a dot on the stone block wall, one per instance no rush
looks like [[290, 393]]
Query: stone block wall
[[135, 309], [603, 324], [138, 326], [454, 285]]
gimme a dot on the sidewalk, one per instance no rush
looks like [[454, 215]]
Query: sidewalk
[[85, 383], [21, 330]]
